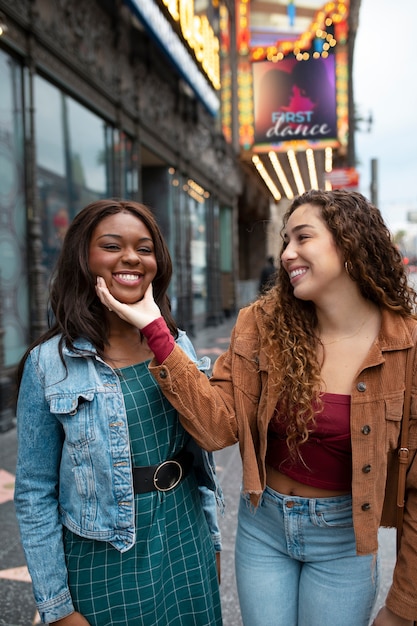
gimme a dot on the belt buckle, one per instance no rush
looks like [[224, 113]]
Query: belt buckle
[[164, 466]]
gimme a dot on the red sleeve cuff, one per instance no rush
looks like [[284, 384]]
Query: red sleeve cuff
[[159, 338]]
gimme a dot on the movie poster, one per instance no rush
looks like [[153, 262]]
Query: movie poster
[[294, 100]]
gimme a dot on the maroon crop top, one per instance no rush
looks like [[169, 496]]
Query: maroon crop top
[[327, 454]]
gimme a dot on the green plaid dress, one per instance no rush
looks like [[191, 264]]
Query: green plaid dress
[[169, 577]]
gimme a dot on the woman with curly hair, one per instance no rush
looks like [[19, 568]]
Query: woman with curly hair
[[115, 500], [312, 388]]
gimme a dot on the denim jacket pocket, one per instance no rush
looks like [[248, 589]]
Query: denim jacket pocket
[[76, 416]]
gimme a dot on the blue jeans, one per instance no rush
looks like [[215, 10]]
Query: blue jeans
[[296, 563]]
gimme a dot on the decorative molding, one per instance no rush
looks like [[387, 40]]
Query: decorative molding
[[81, 34], [157, 108]]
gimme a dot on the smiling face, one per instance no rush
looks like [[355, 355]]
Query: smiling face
[[122, 252], [311, 258]]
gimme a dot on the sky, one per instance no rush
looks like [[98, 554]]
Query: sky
[[385, 85]]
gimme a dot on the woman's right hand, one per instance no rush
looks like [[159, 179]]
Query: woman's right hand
[[139, 314], [74, 619]]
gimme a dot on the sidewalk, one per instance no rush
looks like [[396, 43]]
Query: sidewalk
[[212, 341], [17, 606]]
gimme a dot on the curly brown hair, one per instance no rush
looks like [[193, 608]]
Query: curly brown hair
[[373, 262]]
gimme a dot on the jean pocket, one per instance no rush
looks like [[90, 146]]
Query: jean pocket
[[334, 515]]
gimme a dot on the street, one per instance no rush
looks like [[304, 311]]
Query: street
[[17, 607]]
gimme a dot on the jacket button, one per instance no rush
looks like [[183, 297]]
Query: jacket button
[[361, 386], [366, 469], [366, 506], [163, 374], [366, 429]]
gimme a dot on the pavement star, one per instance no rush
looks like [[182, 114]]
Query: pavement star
[[20, 574], [6, 486]]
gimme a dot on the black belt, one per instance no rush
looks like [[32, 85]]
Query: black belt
[[164, 476]]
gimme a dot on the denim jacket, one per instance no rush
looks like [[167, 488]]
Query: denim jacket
[[75, 470]]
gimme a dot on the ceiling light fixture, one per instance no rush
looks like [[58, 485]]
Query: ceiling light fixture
[[3, 26], [312, 172], [266, 177], [328, 159], [296, 171], [281, 174], [328, 166]]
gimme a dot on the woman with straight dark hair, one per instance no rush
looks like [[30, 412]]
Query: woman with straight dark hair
[[116, 502]]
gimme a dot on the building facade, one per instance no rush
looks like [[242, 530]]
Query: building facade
[[91, 106]]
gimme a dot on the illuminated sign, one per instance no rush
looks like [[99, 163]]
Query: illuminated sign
[[199, 35], [330, 13], [163, 32], [244, 75], [295, 100], [341, 178]]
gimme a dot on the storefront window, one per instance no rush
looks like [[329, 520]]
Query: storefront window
[[226, 236], [74, 149], [197, 213], [50, 150], [14, 310], [125, 150]]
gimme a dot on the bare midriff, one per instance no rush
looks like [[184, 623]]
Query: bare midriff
[[288, 486]]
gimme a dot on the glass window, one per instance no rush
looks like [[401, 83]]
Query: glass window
[[125, 151], [88, 150], [198, 254], [14, 310], [226, 235], [74, 149], [50, 150]]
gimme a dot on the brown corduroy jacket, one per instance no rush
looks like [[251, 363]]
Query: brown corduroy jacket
[[236, 404]]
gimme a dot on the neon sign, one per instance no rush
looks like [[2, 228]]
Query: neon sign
[[199, 35]]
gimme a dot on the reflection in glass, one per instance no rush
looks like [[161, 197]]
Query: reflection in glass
[[198, 254], [74, 156], [13, 272], [50, 150]]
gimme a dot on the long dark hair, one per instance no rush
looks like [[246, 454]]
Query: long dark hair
[[76, 310]]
